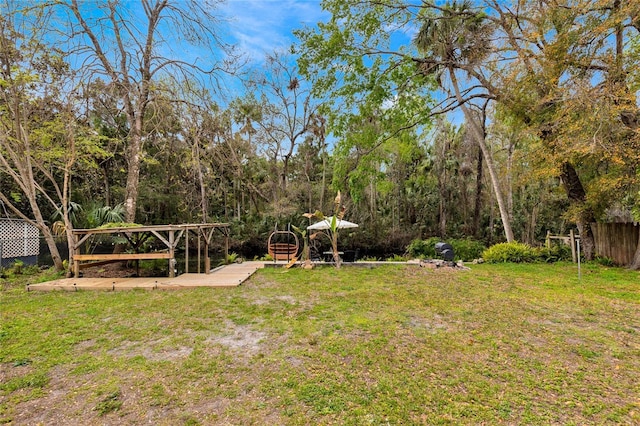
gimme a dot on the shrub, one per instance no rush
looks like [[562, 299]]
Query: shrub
[[369, 259], [464, 249], [604, 261], [467, 249], [556, 253], [396, 258], [17, 267], [509, 252], [423, 248]]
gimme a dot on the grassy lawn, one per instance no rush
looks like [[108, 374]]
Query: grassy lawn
[[399, 345]]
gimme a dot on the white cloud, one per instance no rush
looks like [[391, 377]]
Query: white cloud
[[259, 27]]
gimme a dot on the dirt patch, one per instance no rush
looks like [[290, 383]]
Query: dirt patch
[[433, 325], [10, 371], [284, 298], [79, 399], [60, 405], [153, 351], [239, 338]]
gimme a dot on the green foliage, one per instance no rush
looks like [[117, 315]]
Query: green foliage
[[120, 225], [509, 252], [397, 258], [465, 249], [557, 253], [17, 266], [424, 249], [604, 261], [523, 253], [110, 403], [369, 259], [231, 258], [332, 232], [373, 99], [100, 215]]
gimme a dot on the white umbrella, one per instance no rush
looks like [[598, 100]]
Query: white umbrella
[[326, 224]]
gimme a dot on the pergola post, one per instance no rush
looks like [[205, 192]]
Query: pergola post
[[207, 259], [136, 236], [172, 254], [186, 253], [199, 250], [76, 262]]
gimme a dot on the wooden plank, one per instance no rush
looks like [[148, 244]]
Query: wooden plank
[[124, 256], [616, 241], [227, 276], [150, 228]]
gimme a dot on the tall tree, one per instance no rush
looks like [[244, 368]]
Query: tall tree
[[364, 80], [458, 38], [366, 75], [566, 80], [132, 49], [288, 111], [41, 138]]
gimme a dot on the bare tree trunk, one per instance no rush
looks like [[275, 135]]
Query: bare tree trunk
[[133, 179], [442, 207], [16, 154], [203, 191], [480, 139], [105, 183], [324, 175], [478, 203]]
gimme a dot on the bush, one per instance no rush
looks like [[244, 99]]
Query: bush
[[467, 249], [509, 252], [396, 258], [556, 253], [423, 249], [604, 261], [464, 249]]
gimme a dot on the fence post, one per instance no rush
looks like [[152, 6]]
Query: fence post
[[548, 239]]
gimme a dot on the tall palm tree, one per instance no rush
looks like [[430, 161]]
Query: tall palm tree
[[457, 38]]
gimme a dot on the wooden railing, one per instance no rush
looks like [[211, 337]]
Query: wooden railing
[[123, 256]]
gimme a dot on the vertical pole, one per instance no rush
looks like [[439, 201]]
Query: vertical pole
[[76, 251], [226, 243], [198, 252], [288, 241], [172, 254], [572, 241], [186, 252], [207, 259], [548, 239], [579, 270]]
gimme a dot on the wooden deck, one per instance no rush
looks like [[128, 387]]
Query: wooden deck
[[226, 276]]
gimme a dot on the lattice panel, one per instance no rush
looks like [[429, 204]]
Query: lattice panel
[[18, 239]]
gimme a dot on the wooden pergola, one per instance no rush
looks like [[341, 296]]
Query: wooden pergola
[[169, 235]]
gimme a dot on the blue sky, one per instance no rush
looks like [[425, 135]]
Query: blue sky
[[259, 27]]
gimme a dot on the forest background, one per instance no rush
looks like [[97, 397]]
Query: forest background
[[485, 119]]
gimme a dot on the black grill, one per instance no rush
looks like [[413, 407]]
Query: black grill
[[445, 251]]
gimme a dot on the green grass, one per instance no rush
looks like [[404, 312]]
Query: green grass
[[499, 344]]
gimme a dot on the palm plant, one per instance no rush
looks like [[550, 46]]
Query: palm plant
[[333, 227], [458, 38]]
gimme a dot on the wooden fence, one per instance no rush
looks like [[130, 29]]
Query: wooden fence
[[617, 241]]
